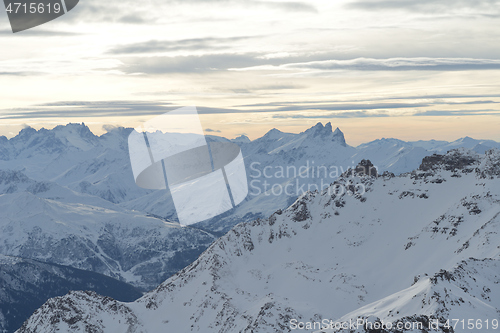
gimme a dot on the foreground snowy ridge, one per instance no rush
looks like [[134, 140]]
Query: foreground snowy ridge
[[417, 247]]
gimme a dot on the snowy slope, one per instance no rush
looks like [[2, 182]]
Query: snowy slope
[[418, 246], [391, 155], [437, 301], [122, 244], [16, 182]]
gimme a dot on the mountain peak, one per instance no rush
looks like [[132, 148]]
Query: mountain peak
[[80, 129], [466, 139], [273, 134], [328, 127], [318, 130], [325, 132], [241, 139], [26, 132], [339, 137]]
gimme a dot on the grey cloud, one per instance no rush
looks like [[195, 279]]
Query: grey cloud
[[78, 109], [108, 104], [340, 107], [390, 64], [267, 87], [469, 102], [189, 64], [211, 130], [19, 73], [120, 10], [384, 113], [426, 6], [39, 33], [444, 96], [110, 12], [437, 100], [288, 6], [194, 44], [133, 19], [276, 107], [75, 109], [401, 64], [347, 114], [322, 107], [208, 62], [485, 112], [235, 90], [209, 110]]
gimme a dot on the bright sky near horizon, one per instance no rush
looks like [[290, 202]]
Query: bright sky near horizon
[[427, 69]]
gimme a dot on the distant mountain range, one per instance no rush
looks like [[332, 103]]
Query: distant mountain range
[[73, 157], [421, 248]]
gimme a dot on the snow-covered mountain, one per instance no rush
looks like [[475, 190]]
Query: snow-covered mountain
[[282, 166], [479, 146], [392, 155], [47, 222], [26, 284], [69, 166], [73, 157], [419, 247]]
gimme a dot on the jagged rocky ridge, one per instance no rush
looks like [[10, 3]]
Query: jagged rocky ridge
[[414, 247]]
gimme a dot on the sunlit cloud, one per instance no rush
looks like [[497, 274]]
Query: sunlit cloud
[[370, 66]]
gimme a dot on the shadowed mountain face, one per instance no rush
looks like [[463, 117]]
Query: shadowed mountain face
[[419, 247], [27, 284]]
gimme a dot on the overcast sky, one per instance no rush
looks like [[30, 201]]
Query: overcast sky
[[426, 69]]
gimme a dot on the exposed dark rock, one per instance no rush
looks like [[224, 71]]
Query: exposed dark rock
[[366, 168], [452, 161]]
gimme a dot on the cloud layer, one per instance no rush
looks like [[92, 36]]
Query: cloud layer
[[320, 110], [391, 64]]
